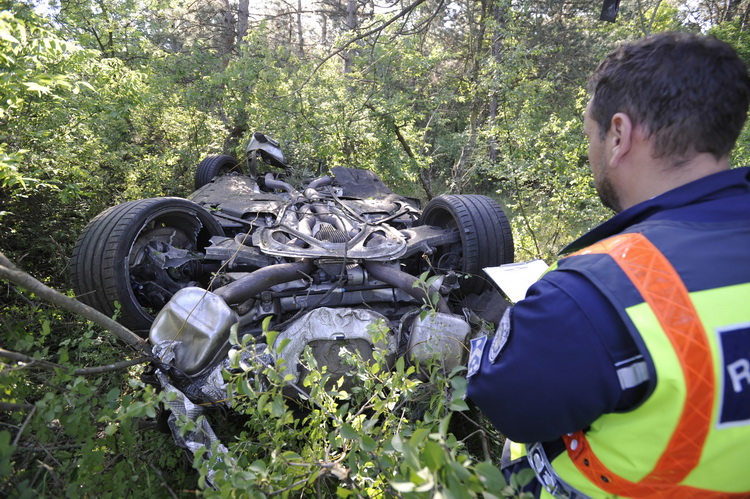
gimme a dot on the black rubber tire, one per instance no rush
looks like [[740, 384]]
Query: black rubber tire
[[486, 236], [213, 166], [113, 243]]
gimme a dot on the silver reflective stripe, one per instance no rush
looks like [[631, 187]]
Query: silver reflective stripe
[[632, 375], [547, 476]]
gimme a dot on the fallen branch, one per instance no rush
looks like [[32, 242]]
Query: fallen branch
[[30, 361], [10, 272], [84, 371], [10, 406]]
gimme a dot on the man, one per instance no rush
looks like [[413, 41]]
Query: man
[[626, 369]]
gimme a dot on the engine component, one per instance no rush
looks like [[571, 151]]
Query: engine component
[[333, 325]]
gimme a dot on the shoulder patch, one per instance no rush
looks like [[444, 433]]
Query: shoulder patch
[[475, 357], [501, 336]]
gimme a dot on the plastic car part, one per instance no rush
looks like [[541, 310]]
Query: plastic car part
[[195, 324], [438, 335], [139, 254], [268, 149], [486, 237]]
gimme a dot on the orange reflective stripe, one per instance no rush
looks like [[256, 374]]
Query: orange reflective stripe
[[662, 288]]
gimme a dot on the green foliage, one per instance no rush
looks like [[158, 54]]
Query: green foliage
[[118, 100], [377, 431], [31, 58], [553, 197], [736, 35], [66, 435]]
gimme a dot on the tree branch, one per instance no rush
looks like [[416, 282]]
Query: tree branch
[[10, 406], [23, 426], [11, 273], [342, 48], [84, 371]]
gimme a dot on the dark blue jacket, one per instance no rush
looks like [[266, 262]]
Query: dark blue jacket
[[557, 372]]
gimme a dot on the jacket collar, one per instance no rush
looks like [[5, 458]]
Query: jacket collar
[[719, 185]]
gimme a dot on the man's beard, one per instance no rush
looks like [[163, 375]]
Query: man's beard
[[607, 194]]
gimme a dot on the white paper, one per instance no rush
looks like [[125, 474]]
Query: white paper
[[514, 279]]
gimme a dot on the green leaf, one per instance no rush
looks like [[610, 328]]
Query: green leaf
[[36, 87], [348, 432], [433, 455], [271, 337], [291, 456], [458, 405], [233, 339], [368, 443], [342, 492], [403, 486], [397, 443], [491, 476], [524, 477], [277, 407], [419, 435], [5, 35], [258, 466]]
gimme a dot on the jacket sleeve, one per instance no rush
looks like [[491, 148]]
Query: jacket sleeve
[[555, 372]]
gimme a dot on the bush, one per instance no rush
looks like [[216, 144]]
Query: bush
[[395, 431]]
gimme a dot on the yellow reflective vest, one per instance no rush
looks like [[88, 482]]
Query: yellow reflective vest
[[691, 436]]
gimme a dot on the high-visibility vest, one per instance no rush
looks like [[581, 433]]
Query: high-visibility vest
[[691, 436]]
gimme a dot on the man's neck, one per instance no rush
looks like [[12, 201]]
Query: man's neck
[[657, 176]]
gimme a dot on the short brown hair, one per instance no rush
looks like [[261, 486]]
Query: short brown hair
[[690, 93]]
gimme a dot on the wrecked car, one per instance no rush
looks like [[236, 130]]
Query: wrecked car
[[319, 263]]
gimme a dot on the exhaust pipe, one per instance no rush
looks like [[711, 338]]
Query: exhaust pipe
[[243, 289]]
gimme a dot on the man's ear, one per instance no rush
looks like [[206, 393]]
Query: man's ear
[[620, 138]]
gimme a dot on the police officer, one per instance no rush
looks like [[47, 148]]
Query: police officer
[[626, 369]]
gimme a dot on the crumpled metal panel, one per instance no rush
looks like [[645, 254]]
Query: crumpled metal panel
[[329, 324], [195, 324], [439, 335], [182, 408]]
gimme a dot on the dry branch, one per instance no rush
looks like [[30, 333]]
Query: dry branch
[[10, 272], [84, 371], [380, 27]]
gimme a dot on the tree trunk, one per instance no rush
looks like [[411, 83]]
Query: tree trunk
[[243, 13], [351, 25], [228, 32], [459, 169], [300, 39], [499, 14]]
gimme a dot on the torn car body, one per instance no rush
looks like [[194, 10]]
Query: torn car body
[[320, 264]]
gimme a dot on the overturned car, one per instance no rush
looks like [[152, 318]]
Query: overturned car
[[319, 264]]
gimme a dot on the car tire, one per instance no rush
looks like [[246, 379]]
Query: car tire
[[213, 166], [486, 236], [113, 259]]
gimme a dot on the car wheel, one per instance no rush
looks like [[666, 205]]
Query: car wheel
[[139, 254], [486, 237], [213, 166]]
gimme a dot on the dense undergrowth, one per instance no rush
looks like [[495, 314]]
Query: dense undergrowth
[[386, 431]]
